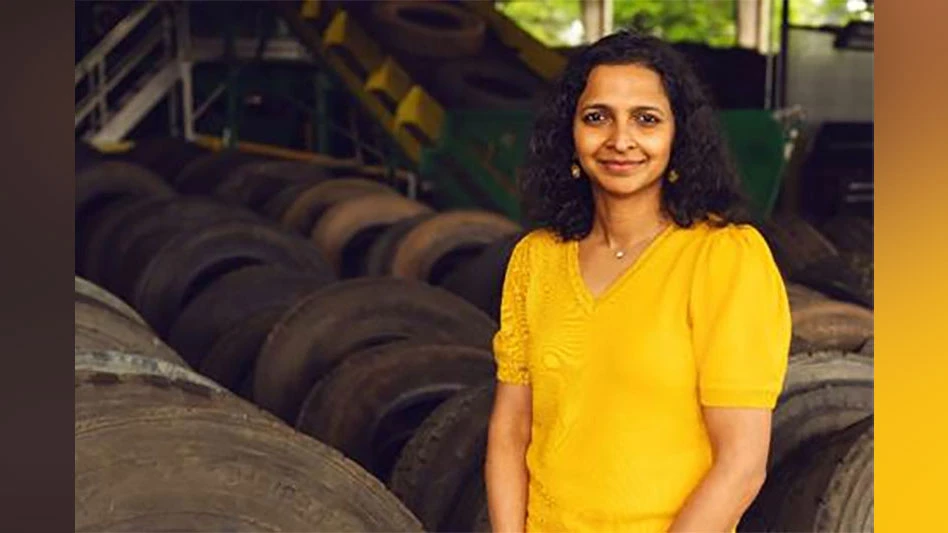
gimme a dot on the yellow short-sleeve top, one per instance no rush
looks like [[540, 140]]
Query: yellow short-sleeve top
[[618, 442]]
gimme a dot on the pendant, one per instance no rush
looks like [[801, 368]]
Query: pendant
[[620, 254]]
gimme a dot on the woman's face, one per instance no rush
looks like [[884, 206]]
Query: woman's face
[[623, 129]]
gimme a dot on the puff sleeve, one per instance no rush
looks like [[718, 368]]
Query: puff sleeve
[[511, 342], [740, 319]]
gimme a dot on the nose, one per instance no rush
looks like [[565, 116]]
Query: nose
[[622, 138]]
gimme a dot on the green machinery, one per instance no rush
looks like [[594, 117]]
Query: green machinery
[[471, 156]]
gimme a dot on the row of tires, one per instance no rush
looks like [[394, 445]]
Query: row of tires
[[449, 48], [820, 475], [160, 448], [834, 256], [197, 280], [370, 356]]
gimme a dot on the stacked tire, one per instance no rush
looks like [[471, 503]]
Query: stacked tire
[[253, 273], [160, 447], [833, 256]]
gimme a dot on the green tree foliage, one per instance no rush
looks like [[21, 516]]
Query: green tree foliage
[[826, 12], [554, 22], [706, 21]]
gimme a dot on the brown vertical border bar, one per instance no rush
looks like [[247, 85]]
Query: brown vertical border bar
[[36, 235], [911, 180]]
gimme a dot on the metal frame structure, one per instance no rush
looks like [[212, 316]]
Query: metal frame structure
[[103, 122], [105, 118]]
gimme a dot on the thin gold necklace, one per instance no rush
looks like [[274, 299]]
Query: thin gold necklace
[[621, 253]]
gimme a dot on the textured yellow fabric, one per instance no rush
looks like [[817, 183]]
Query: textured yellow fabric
[[618, 440]]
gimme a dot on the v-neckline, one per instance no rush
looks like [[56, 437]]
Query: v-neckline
[[579, 282]]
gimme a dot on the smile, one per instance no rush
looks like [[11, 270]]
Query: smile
[[621, 167]]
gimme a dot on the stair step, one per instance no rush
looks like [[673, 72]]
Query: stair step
[[137, 103]]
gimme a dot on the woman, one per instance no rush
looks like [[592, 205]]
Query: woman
[[644, 326]]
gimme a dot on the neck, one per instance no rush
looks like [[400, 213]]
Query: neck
[[622, 221]]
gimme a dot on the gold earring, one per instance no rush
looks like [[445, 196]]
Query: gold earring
[[673, 176], [575, 171]]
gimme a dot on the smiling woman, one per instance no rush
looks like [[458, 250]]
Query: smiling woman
[[624, 128], [647, 94], [644, 327]]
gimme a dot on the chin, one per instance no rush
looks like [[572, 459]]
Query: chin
[[627, 185]]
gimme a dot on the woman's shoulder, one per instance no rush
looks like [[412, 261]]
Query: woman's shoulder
[[730, 247], [712, 235], [538, 242]]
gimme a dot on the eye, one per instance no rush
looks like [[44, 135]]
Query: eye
[[648, 119], [594, 117]]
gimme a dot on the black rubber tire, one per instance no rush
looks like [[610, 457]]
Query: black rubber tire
[[471, 513], [161, 453], [430, 29], [253, 184], [820, 486], [869, 347], [823, 393], [304, 213], [481, 280], [352, 315], [232, 358], [99, 327], [432, 248], [203, 174], [190, 261], [166, 156], [373, 401], [104, 184], [828, 487], [840, 277], [277, 205], [850, 233], [87, 289], [862, 267], [849, 501], [443, 456], [100, 247], [378, 258], [101, 183], [347, 229], [144, 232], [795, 243], [234, 297], [96, 364], [820, 323], [488, 84]]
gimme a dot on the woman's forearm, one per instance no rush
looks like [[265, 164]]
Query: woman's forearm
[[717, 503], [506, 476]]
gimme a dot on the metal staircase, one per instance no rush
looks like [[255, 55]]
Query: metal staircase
[[131, 70], [470, 154]]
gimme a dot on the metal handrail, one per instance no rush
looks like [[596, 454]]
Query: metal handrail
[[112, 39], [116, 75]]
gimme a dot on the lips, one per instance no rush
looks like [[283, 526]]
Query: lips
[[622, 166]]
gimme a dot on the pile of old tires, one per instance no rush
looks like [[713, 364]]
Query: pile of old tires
[[161, 448], [449, 49], [834, 256], [358, 320], [229, 278], [821, 463]]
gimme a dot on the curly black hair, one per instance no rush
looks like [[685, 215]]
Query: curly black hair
[[708, 188]]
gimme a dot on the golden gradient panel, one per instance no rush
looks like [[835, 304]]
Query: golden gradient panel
[[911, 178]]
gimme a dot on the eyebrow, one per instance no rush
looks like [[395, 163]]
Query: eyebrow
[[597, 105]]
